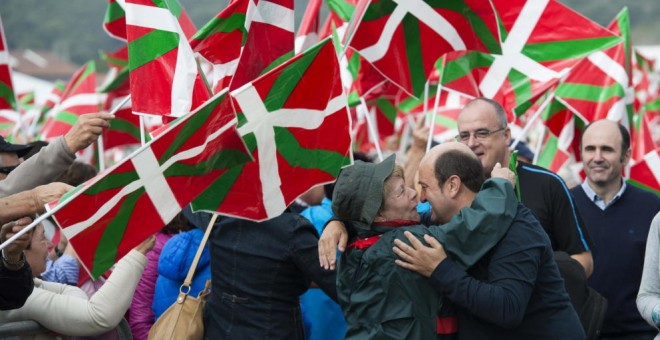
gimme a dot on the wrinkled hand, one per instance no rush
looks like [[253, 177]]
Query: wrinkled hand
[[334, 237], [146, 245], [86, 130], [47, 193], [506, 173], [13, 250], [419, 258]]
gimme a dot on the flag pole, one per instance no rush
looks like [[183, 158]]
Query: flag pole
[[372, 128], [425, 105], [434, 115], [539, 145], [351, 30]]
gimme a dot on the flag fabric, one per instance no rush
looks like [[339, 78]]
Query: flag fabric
[[295, 123], [646, 172], [79, 97], [219, 43], [269, 40], [404, 39], [114, 22], [164, 76], [9, 117], [107, 216], [540, 40], [308, 32]]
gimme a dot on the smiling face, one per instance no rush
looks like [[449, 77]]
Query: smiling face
[[602, 154], [432, 192], [477, 116], [399, 201]]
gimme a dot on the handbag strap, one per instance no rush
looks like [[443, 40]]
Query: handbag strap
[[191, 272]]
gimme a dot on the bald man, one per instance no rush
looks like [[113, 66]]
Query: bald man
[[618, 217], [515, 290]]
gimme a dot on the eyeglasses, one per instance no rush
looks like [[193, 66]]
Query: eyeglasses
[[7, 169], [480, 135]]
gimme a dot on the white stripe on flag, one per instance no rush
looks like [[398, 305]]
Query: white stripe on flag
[[261, 122], [4, 57], [79, 227], [274, 14], [83, 99], [156, 186], [425, 14], [618, 111], [150, 17], [512, 56], [653, 162], [183, 80], [610, 67]]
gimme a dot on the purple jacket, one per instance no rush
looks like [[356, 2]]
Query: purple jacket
[[140, 315]]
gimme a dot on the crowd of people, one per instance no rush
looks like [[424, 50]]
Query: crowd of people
[[503, 252]]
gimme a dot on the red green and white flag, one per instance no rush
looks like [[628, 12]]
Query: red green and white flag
[[79, 97], [164, 77], [540, 40], [219, 43], [296, 126], [114, 22], [9, 117], [269, 40], [308, 32], [596, 87], [404, 38], [109, 215], [646, 172]]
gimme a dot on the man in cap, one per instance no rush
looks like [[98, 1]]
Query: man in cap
[[11, 155]]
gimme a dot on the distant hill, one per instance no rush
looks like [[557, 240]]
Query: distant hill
[[72, 28]]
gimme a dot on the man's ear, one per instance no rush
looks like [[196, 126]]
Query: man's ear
[[453, 185]]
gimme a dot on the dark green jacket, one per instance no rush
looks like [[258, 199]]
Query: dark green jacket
[[381, 300]]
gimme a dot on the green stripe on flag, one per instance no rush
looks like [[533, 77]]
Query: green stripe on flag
[[414, 53], [568, 49], [459, 68], [174, 7], [522, 86], [113, 12], [216, 193], [377, 10], [125, 126], [66, 117], [106, 251], [446, 122], [191, 127], [278, 61], [8, 94], [343, 9], [354, 65], [90, 68], [150, 47], [387, 108], [225, 158], [235, 22], [112, 181], [643, 186], [548, 152], [592, 93], [288, 79], [296, 155], [477, 23]]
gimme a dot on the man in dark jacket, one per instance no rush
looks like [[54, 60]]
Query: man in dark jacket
[[16, 282], [381, 300], [515, 290]]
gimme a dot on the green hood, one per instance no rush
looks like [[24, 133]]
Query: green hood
[[359, 191]]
